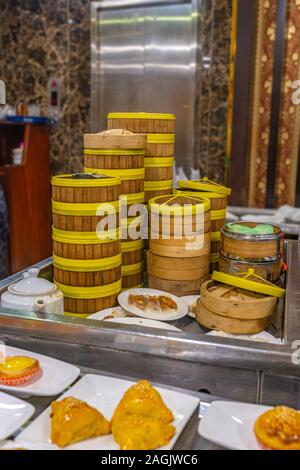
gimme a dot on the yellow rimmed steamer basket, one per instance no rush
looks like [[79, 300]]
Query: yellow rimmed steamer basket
[[144, 123], [178, 259], [159, 155], [218, 196], [242, 304], [262, 252], [87, 260], [120, 154]]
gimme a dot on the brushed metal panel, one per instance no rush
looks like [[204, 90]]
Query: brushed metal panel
[[144, 59]]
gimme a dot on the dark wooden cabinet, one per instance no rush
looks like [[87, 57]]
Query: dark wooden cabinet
[[28, 194]]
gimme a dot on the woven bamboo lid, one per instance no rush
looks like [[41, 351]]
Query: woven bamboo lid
[[178, 205], [249, 281], [205, 184], [115, 139], [86, 180]]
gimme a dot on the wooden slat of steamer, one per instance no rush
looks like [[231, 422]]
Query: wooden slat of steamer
[[143, 126], [87, 279], [213, 321], [160, 150], [179, 288], [181, 248], [77, 251], [186, 225], [250, 249], [89, 306], [186, 269], [132, 280], [159, 173]]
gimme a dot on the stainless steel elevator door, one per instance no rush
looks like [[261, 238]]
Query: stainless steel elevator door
[[143, 59]]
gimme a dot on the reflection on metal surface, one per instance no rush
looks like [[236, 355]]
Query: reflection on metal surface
[[144, 59]]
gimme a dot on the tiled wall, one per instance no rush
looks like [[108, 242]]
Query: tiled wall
[[41, 38]]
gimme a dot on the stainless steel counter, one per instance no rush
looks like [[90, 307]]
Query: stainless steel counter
[[236, 369]]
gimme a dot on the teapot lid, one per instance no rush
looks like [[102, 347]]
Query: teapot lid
[[31, 284]]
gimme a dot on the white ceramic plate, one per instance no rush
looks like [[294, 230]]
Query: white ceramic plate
[[182, 308], [13, 414], [190, 300], [144, 322], [56, 375], [230, 424], [104, 393], [107, 312], [263, 337]]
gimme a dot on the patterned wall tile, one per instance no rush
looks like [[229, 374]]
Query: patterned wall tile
[[289, 132], [262, 99]]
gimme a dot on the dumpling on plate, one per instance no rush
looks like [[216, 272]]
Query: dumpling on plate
[[73, 420]]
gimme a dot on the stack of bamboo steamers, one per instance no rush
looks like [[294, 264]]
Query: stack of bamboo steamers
[[87, 262], [218, 196], [120, 153], [159, 155], [179, 256]]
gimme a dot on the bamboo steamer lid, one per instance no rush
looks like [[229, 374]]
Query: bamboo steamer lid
[[115, 139], [251, 282], [177, 205], [204, 184]]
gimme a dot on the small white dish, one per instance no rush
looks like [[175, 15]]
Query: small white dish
[[144, 322], [182, 308], [117, 312], [55, 378], [104, 393], [230, 424], [190, 300], [263, 337], [13, 414]]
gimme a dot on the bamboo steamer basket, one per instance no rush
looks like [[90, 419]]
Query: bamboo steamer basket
[[179, 288], [145, 123], [191, 218], [233, 302], [118, 153], [157, 188], [213, 321], [159, 169], [241, 304], [179, 244], [77, 198], [252, 247], [160, 145], [269, 270], [237, 304], [172, 269], [132, 264]]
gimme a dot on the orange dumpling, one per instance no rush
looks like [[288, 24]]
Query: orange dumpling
[[73, 420], [142, 399]]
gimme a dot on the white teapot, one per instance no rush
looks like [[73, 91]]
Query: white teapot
[[35, 294]]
